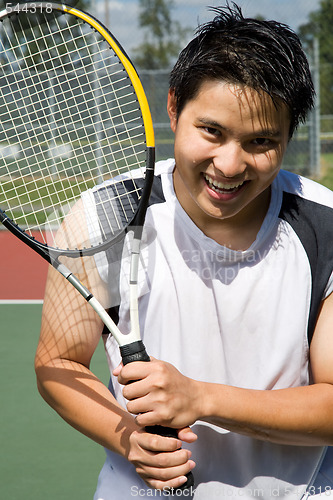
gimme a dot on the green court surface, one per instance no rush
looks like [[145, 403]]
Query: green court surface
[[42, 457]]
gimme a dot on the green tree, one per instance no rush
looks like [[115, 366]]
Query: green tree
[[163, 36], [319, 26]]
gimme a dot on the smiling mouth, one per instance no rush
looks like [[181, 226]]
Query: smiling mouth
[[223, 187]]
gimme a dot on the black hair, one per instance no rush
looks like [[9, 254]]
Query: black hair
[[263, 55]]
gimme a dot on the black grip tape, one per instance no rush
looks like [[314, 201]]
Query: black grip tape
[[136, 351]]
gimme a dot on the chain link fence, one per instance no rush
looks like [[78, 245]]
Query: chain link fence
[[303, 154]]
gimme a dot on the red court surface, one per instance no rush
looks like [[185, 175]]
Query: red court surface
[[22, 271]]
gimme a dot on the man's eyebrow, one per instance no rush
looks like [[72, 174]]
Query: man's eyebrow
[[212, 124], [264, 132]]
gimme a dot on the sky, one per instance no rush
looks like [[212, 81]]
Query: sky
[[123, 14]]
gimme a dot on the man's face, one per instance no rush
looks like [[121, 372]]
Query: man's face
[[229, 145]]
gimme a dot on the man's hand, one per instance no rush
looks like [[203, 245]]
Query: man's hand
[[150, 390], [160, 395], [159, 461]]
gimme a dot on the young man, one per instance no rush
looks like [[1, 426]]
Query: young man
[[235, 296]]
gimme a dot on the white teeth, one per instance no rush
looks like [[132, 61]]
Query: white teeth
[[222, 186]]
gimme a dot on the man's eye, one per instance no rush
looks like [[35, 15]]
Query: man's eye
[[261, 141], [212, 131]]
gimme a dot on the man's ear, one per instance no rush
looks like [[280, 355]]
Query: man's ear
[[172, 110]]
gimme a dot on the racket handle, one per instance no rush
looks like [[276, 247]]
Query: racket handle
[[136, 351]]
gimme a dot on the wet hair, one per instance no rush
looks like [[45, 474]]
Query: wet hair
[[266, 56]]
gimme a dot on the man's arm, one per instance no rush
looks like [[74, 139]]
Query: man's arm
[[300, 415], [70, 333]]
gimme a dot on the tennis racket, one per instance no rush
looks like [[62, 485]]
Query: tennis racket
[[74, 119]]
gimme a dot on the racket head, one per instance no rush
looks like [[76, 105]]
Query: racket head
[[74, 119]]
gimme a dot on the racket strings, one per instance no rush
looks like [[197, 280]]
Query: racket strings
[[30, 185], [36, 84], [19, 113], [70, 119]]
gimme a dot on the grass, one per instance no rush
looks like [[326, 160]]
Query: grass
[[31, 199], [35, 185], [31, 203]]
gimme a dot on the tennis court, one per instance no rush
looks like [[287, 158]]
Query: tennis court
[[42, 457]]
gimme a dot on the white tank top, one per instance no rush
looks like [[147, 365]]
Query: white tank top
[[235, 318]]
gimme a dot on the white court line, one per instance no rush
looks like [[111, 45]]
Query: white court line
[[18, 301]]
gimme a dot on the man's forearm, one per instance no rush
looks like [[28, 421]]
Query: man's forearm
[[85, 403], [295, 416]]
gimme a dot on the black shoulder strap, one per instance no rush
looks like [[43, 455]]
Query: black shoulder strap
[[313, 224]]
